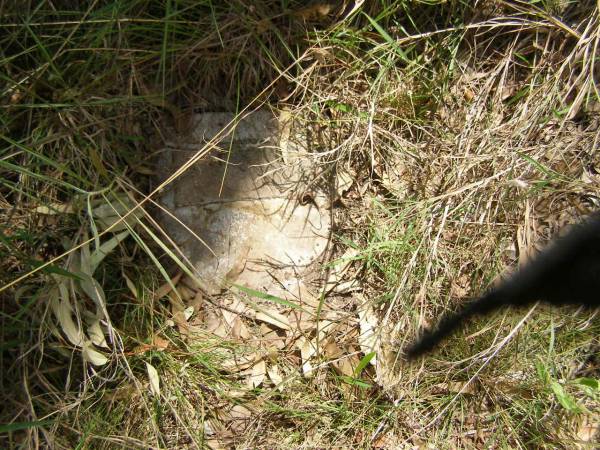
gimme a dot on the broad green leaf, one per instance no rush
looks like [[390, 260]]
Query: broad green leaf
[[564, 398], [269, 297], [355, 382], [363, 363], [589, 382], [16, 426], [388, 39]]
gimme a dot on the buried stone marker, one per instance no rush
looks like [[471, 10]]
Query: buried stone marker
[[249, 212]]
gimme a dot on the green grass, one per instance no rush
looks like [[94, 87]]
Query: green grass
[[470, 133]]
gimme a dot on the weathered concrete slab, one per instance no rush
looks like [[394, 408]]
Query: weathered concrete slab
[[262, 219]]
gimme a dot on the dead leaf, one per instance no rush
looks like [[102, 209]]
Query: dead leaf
[[346, 366], [307, 351], [275, 377], [239, 330], [340, 268], [274, 318], [240, 415], [314, 12], [257, 376], [344, 182], [158, 344], [167, 287]]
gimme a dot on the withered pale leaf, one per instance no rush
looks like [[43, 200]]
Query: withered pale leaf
[[154, 380], [131, 286], [54, 208], [93, 356], [96, 334], [63, 312], [100, 253], [108, 214]]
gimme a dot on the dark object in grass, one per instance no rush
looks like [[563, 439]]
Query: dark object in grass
[[566, 272]]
